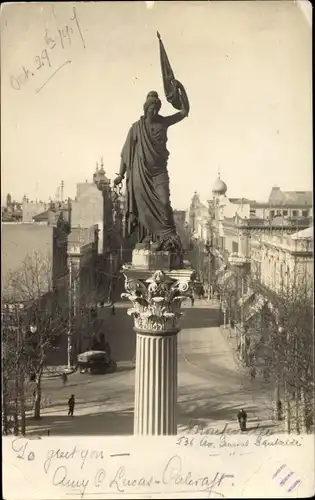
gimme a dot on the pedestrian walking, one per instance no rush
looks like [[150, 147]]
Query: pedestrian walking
[[253, 373], [192, 299], [71, 404], [242, 419], [64, 378], [279, 409]]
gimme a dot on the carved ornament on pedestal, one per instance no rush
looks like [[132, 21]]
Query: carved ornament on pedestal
[[156, 302]]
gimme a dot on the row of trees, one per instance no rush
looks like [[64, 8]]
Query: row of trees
[[278, 342], [34, 320], [287, 342], [40, 315]]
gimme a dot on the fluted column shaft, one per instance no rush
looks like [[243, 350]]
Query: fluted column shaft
[[156, 384]]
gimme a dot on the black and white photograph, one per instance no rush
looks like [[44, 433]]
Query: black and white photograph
[[157, 226]]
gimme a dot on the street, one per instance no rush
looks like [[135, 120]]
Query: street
[[211, 389]]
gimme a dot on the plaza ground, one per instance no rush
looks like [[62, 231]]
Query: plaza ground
[[212, 387]]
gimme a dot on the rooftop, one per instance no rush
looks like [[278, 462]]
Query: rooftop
[[290, 197], [288, 242], [241, 200]]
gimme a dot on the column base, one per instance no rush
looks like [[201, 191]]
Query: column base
[[156, 383]]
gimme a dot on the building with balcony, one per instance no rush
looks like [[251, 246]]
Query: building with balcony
[[282, 262]]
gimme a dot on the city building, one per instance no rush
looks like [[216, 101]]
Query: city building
[[82, 254], [31, 209], [249, 250], [11, 211], [198, 217], [88, 208], [30, 244], [180, 218], [283, 261]]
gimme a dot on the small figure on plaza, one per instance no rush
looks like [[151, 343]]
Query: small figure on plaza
[[144, 160], [71, 404], [242, 419], [64, 378]]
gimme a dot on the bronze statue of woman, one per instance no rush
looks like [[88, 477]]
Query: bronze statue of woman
[[144, 160]]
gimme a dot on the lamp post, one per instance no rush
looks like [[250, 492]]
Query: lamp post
[[70, 316], [277, 400], [208, 247], [103, 184], [224, 309]]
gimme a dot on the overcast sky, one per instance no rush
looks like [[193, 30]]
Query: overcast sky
[[246, 67]]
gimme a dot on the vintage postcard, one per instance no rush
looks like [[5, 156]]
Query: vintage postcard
[[157, 250]]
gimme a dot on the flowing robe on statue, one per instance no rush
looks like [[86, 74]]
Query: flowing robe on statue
[[147, 182]]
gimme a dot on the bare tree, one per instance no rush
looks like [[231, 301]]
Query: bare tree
[[286, 340], [13, 364], [39, 325]]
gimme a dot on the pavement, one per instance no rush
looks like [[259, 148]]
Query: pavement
[[211, 387], [57, 371], [212, 384]]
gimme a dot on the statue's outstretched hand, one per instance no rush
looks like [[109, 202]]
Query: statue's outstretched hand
[[118, 180]]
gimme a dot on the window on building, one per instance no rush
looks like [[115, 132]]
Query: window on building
[[304, 213], [295, 213], [252, 213], [285, 213], [234, 247], [271, 214], [278, 212]]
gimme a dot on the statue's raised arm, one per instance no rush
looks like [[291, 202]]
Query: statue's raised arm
[[184, 103], [175, 92]]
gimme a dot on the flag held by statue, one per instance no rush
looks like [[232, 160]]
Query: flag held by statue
[[170, 89]]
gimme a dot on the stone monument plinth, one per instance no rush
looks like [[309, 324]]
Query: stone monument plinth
[[156, 295], [155, 260]]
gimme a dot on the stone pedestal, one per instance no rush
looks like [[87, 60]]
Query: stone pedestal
[[154, 261], [156, 307], [156, 385]]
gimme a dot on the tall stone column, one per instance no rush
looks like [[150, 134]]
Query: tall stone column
[[156, 312], [156, 384]]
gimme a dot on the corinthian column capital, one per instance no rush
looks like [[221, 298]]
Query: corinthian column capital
[[156, 302]]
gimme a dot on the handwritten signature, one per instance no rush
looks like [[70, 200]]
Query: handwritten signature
[[173, 474], [64, 39]]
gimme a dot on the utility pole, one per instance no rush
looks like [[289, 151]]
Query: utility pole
[[61, 190], [17, 373], [242, 319], [277, 401], [70, 315]]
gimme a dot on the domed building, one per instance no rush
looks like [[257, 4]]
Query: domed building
[[219, 187]]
